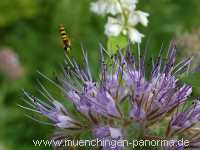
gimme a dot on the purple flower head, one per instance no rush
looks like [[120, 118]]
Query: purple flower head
[[107, 135], [97, 101], [160, 94], [94, 98], [185, 120], [118, 90], [128, 98]]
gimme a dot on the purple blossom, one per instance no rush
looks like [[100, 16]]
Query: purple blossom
[[153, 98], [107, 135], [99, 102], [185, 120], [124, 79], [94, 98]]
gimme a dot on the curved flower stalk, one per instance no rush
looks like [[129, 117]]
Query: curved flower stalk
[[155, 99], [122, 18]]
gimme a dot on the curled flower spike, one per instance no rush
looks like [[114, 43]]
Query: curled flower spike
[[126, 94]]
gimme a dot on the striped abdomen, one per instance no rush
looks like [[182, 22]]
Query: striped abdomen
[[66, 40]]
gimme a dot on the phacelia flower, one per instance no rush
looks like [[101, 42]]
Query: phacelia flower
[[122, 18], [108, 133], [126, 94]]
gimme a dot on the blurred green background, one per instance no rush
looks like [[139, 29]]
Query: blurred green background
[[30, 29]]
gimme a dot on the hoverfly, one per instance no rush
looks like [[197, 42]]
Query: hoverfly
[[65, 38]]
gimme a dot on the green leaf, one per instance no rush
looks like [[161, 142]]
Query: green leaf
[[192, 79], [115, 42]]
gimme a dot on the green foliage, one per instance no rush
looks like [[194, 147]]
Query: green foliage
[[11, 11], [193, 79], [114, 43], [81, 25], [167, 17]]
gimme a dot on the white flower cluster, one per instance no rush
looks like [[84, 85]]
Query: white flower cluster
[[122, 17]]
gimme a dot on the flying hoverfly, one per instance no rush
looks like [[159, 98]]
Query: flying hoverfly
[[65, 38]]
